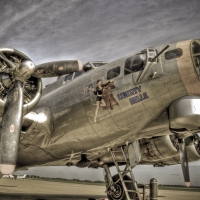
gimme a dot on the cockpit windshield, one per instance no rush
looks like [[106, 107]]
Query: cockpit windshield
[[135, 63], [72, 76], [93, 65], [98, 64]]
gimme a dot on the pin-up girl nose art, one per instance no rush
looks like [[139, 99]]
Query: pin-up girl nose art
[[105, 98]]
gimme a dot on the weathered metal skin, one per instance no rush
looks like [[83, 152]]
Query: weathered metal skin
[[157, 148], [72, 111], [193, 148], [40, 119], [184, 113], [29, 106], [192, 153]]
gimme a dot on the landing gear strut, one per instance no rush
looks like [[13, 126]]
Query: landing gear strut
[[121, 186]]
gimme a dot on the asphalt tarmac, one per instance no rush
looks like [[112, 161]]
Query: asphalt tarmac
[[41, 189]]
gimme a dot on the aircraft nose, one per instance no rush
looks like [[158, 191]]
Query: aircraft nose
[[189, 65]]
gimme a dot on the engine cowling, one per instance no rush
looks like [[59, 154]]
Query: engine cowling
[[157, 148], [184, 113], [193, 147], [32, 87], [40, 119], [166, 147]]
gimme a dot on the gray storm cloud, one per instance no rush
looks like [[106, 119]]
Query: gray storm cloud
[[94, 30]]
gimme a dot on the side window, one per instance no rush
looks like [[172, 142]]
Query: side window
[[78, 73], [172, 54], [87, 67], [68, 77], [113, 73], [133, 64], [195, 47]]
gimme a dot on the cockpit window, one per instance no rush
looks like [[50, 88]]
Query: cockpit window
[[78, 73], [172, 54], [195, 47], [113, 73], [87, 67], [98, 64], [74, 75], [69, 77], [197, 61], [134, 63]]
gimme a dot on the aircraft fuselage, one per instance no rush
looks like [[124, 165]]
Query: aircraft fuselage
[[133, 101]]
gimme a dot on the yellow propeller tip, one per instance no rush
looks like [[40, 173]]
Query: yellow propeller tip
[[187, 184], [7, 169]]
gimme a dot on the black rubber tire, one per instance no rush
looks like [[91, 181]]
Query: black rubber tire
[[120, 194]]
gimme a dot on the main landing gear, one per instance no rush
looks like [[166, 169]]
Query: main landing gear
[[121, 186]]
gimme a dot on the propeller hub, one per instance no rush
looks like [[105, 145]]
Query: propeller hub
[[25, 70]]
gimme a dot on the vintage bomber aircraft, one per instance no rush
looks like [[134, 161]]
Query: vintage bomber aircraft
[[151, 113]]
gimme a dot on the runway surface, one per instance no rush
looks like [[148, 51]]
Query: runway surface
[[40, 189]]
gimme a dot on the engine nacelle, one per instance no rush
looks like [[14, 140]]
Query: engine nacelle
[[32, 87], [184, 117], [41, 119], [157, 148], [184, 113], [193, 148]]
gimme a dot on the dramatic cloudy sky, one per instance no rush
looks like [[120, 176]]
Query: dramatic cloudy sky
[[48, 30]]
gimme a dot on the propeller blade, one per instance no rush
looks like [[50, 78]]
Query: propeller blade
[[184, 162], [11, 129], [57, 68]]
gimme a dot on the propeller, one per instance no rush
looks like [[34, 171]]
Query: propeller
[[18, 72], [184, 161], [11, 129]]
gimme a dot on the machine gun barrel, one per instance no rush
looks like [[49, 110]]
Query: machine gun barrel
[[153, 59]]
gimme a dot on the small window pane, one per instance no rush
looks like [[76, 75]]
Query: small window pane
[[87, 67], [98, 64], [172, 54], [195, 47], [113, 73], [197, 61], [68, 77], [78, 73]]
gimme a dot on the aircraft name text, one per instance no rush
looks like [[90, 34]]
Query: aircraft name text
[[133, 91], [138, 98]]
